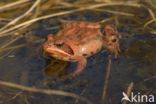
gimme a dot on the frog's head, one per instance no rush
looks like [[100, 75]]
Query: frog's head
[[57, 48], [111, 39]]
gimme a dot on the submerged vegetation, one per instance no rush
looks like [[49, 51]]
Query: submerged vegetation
[[24, 25]]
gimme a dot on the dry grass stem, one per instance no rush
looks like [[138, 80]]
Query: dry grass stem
[[151, 13], [14, 4], [107, 19], [44, 91], [146, 25], [16, 95], [12, 41], [21, 16], [14, 47], [2, 33], [19, 46], [5, 19], [115, 12], [153, 31], [6, 54], [108, 71], [149, 22], [77, 100], [129, 90]]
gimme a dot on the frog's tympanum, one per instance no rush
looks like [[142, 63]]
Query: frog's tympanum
[[78, 40]]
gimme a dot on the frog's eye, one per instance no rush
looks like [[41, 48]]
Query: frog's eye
[[59, 44]]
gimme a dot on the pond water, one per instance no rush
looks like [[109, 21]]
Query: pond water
[[29, 66]]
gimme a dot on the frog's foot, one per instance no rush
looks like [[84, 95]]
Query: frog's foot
[[82, 61]]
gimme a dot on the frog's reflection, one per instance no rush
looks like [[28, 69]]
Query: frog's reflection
[[55, 70]]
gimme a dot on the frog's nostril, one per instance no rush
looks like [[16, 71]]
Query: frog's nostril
[[49, 45]]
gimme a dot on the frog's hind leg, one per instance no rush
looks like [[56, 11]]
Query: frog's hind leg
[[82, 61]]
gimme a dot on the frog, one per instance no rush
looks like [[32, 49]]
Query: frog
[[78, 40]]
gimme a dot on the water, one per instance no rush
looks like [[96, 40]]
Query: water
[[26, 65]]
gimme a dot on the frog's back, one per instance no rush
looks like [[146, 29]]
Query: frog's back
[[79, 30], [72, 27], [86, 37], [80, 24]]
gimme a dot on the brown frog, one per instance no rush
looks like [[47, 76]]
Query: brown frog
[[78, 40]]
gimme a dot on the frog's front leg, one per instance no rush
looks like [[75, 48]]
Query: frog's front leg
[[81, 64]]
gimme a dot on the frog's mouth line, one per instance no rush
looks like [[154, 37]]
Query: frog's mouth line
[[58, 52], [65, 50]]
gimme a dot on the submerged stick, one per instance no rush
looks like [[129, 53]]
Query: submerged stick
[[44, 91], [106, 80]]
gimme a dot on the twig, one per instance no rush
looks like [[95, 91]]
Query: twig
[[20, 46], [115, 12], [106, 80], [2, 34], [151, 13], [2, 8], [12, 41], [129, 90], [15, 96], [22, 16], [106, 1], [107, 19], [52, 28], [26, 99], [149, 22], [44, 91], [146, 25], [6, 54], [153, 31], [5, 19], [147, 79], [34, 16], [15, 20], [152, 16], [77, 100], [113, 4]]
